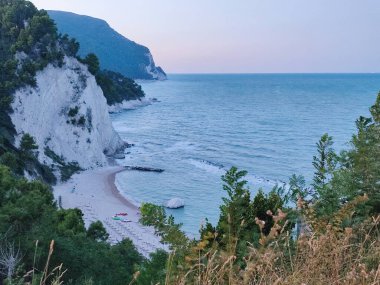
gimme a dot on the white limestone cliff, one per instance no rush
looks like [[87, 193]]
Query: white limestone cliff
[[66, 113]]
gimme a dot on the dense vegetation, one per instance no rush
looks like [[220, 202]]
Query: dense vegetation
[[30, 220], [116, 87], [27, 44], [29, 41]]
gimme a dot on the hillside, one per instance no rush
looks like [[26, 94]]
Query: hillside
[[54, 114], [115, 52]]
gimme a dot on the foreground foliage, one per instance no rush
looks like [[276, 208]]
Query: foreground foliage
[[30, 220], [333, 255]]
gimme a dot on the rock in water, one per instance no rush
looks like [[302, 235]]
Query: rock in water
[[175, 203]]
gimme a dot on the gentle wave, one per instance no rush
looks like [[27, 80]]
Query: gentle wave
[[181, 146], [208, 166], [216, 168], [265, 124]]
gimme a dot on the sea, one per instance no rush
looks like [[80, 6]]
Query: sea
[[202, 124]]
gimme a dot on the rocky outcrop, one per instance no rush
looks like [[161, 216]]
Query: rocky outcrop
[[130, 105], [155, 72], [144, 169]]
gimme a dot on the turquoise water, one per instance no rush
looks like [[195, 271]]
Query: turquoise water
[[265, 124]]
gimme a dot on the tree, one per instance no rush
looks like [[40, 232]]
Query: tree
[[153, 270], [9, 159], [364, 158], [70, 222], [117, 88], [92, 62], [96, 231], [234, 213], [70, 46], [324, 163], [27, 144], [127, 258], [41, 25], [169, 231], [264, 206], [152, 215]]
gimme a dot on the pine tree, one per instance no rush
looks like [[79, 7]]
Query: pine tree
[[92, 62], [324, 164], [235, 207], [365, 157], [28, 145]]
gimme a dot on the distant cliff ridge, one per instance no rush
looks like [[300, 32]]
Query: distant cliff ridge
[[115, 52]]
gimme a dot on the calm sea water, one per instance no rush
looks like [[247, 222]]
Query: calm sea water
[[204, 124]]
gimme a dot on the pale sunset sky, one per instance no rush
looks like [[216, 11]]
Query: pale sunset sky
[[245, 36]]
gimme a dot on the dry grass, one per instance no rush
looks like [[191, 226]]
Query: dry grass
[[326, 254], [351, 257], [46, 276]]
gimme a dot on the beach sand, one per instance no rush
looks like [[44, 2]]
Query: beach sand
[[95, 193]]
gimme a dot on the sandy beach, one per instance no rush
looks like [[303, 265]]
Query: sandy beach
[[95, 193]]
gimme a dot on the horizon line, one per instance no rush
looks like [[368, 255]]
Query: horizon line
[[264, 73]]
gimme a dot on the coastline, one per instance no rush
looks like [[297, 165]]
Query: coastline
[[111, 179], [130, 105], [94, 192]]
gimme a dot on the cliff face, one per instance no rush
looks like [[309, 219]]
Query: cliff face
[[67, 115], [115, 52], [153, 71]]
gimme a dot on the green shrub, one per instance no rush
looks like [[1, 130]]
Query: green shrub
[[117, 87], [67, 170], [81, 121], [73, 111]]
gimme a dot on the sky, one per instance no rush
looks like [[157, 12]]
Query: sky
[[245, 36]]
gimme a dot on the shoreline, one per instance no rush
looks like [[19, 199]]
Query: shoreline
[[111, 179], [130, 105], [95, 193]]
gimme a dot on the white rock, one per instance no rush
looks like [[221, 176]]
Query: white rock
[[129, 105], [43, 113], [175, 203], [152, 70]]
